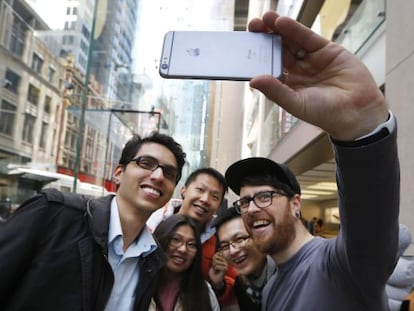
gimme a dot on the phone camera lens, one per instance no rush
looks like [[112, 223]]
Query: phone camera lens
[[164, 66]]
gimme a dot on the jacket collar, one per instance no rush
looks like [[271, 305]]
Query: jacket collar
[[99, 211]]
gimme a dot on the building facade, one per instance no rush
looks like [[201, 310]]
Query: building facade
[[31, 100]]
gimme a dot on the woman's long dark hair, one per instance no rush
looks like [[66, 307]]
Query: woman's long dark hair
[[194, 292]]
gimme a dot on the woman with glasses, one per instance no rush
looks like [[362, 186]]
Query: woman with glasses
[[254, 268], [180, 286]]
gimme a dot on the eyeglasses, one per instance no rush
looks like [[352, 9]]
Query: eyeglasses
[[237, 243], [261, 200], [177, 242], [151, 164]]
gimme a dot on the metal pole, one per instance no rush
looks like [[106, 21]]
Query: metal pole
[[84, 101], [108, 134]]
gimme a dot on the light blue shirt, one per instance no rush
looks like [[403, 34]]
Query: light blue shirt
[[125, 265]]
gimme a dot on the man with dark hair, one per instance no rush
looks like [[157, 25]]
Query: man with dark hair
[[254, 268], [63, 252], [327, 86], [202, 195]]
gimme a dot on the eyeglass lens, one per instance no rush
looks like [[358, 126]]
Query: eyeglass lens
[[150, 163]]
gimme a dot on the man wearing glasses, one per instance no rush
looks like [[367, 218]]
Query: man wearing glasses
[[254, 267], [327, 86], [91, 254]]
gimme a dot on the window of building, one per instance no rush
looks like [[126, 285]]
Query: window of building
[[66, 25], [17, 37], [70, 139], [90, 143], [14, 79], [48, 103], [51, 74], [84, 46], [33, 95], [81, 60], [37, 63], [68, 11], [43, 135], [73, 25], [85, 32], [7, 117], [75, 11], [28, 128]]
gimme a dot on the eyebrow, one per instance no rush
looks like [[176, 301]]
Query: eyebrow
[[151, 156], [235, 236]]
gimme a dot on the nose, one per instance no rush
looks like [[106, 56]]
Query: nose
[[204, 197], [252, 207], [157, 173], [233, 249], [182, 248]]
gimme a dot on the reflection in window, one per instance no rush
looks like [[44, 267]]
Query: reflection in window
[[7, 116], [28, 128]]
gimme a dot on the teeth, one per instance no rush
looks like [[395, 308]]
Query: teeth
[[178, 259], [259, 223], [238, 260], [202, 208], [152, 191]]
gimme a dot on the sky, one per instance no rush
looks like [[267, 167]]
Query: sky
[[50, 11]]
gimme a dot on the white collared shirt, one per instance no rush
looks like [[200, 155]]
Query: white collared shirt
[[125, 265]]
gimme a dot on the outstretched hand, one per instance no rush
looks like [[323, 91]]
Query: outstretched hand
[[326, 85]]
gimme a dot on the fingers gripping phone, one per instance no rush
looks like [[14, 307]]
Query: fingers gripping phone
[[220, 55]]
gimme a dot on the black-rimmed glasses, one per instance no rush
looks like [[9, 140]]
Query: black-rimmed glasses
[[261, 200], [237, 243], [151, 164]]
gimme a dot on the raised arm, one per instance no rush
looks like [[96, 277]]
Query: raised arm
[[323, 83]]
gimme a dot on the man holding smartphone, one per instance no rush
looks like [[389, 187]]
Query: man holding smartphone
[[329, 87]]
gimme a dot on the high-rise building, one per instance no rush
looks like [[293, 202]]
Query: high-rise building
[[112, 58], [112, 45]]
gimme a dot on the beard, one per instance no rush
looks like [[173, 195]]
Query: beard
[[280, 238]]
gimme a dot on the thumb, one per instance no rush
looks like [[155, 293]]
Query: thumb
[[278, 92]]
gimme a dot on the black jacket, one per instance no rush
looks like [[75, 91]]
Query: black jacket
[[244, 301], [54, 257]]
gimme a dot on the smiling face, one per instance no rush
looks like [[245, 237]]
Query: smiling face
[[201, 198], [247, 259], [180, 257], [272, 228], [142, 191]]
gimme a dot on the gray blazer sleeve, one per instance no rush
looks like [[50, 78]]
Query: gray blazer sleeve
[[368, 180]]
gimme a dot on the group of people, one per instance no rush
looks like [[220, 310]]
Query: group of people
[[133, 251]]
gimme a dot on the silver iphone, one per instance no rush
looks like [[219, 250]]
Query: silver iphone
[[220, 55]]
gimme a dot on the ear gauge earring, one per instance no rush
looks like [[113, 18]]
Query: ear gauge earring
[[297, 214]]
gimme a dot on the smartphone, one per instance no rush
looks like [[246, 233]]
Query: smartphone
[[220, 55]]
